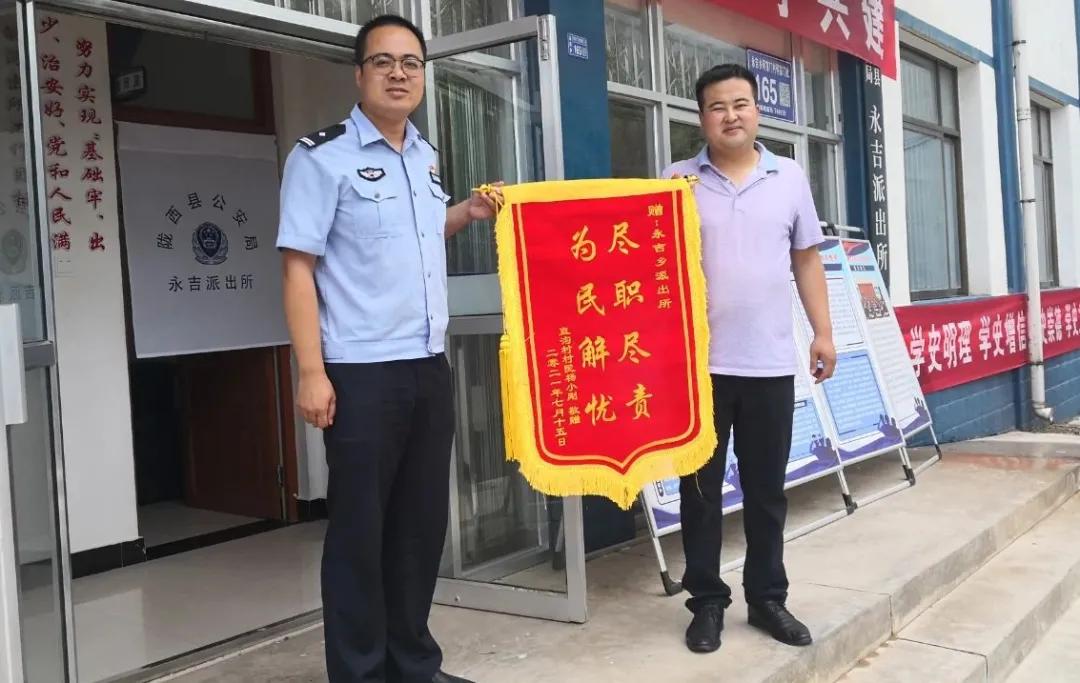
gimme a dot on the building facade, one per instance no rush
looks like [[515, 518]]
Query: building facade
[[925, 162]]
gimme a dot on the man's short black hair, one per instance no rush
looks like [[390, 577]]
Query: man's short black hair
[[360, 47], [723, 72]]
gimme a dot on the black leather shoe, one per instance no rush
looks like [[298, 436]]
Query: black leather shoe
[[443, 677], [778, 622], [703, 634]]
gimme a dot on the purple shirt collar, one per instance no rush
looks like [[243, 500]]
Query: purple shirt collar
[[767, 163]]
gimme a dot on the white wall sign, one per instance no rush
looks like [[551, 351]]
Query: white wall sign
[[200, 217]]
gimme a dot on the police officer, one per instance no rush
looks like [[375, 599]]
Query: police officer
[[364, 217]]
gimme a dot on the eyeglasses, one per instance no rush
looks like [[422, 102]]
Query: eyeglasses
[[383, 64]]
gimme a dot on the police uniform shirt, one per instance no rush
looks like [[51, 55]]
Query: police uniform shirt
[[376, 220]]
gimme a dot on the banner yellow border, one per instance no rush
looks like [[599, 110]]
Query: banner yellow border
[[575, 480]]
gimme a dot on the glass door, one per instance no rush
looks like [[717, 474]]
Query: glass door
[[493, 113], [34, 512]]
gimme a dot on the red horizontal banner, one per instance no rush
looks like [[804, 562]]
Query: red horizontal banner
[[952, 344], [1061, 322], [864, 28]]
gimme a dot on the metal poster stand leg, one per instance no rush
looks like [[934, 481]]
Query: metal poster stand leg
[[936, 457], [909, 481], [671, 587], [849, 503], [906, 460]]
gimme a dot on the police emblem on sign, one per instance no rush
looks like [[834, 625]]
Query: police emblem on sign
[[371, 174], [12, 253], [210, 244]]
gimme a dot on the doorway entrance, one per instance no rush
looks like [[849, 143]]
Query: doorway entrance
[[207, 411]]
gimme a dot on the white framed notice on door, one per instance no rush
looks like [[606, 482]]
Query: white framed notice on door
[[200, 218]]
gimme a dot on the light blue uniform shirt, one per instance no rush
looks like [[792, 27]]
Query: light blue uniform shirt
[[375, 218]]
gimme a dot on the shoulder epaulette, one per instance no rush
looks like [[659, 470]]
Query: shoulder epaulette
[[313, 140], [429, 144]]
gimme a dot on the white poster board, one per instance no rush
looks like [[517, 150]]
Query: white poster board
[[861, 416], [886, 339], [848, 418], [200, 219]]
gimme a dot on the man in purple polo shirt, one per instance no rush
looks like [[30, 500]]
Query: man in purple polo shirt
[[758, 225]]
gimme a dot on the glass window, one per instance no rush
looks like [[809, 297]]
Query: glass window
[[627, 45], [695, 37], [501, 530], [454, 16], [686, 140], [1044, 195], [919, 92], [629, 140], [352, 11], [932, 177], [698, 36], [477, 101], [41, 604], [20, 267], [822, 173], [778, 147], [819, 93]]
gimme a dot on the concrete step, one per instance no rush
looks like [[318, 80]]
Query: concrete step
[[984, 628], [928, 540], [905, 661], [852, 582], [1056, 659]]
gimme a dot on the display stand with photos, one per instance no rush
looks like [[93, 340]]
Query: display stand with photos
[[873, 404]]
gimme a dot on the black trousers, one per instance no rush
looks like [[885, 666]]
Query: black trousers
[[389, 457], [760, 410]]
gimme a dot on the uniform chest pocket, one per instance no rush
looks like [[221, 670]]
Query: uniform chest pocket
[[439, 200], [373, 209]]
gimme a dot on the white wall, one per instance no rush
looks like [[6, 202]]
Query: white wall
[[1065, 127], [1052, 54], [91, 336], [967, 20], [983, 211], [309, 95], [984, 218], [1052, 43]]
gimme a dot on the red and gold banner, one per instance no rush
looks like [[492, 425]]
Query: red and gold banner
[[955, 343], [605, 355]]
